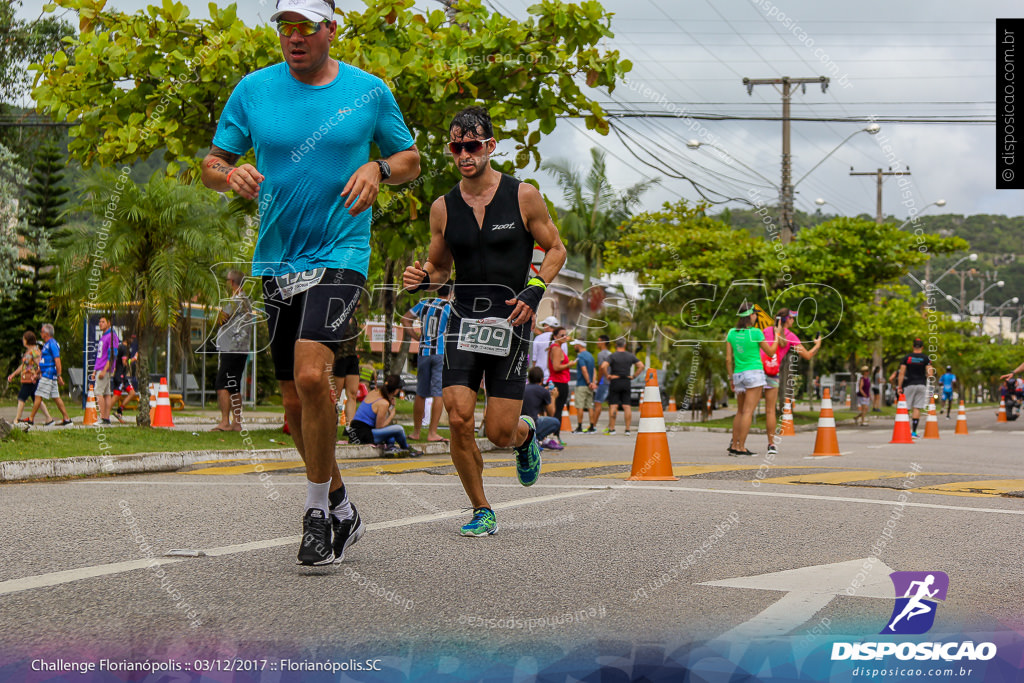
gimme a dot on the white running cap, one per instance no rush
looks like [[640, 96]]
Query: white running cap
[[314, 10]]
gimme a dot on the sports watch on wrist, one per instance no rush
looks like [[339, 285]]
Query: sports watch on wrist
[[385, 169]]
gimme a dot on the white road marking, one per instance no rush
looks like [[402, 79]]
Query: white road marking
[[808, 590], [70, 575], [591, 487]]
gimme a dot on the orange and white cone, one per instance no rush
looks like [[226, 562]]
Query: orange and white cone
[[1001, 415], [572, 405], [162, 416], [672, 404], [152, 399], [961, 420], [90, 417], [787, 420], [566, 425], [848, 404], [826, 442], [931, 423], [901, 429], [651, 459]]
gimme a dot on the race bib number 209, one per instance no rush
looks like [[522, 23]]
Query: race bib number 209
[[492, 336]]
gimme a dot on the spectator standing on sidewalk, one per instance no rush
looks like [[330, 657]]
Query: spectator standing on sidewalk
[[103, 371], [234, 341], [558, 370], [586, 385], [620, 369], [773, 365], [746, 372], [539, 348], [433, 313], [863, 396]]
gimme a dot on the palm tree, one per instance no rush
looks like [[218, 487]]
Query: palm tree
[[145, 248], [594, 209]]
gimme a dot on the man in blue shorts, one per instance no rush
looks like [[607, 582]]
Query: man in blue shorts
[[949, 384], [310, 122], [433, 314], [486, 228]]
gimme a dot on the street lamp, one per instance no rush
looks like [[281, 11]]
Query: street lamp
[[938, 202], [998, 309], [871, 129], [972, 258]]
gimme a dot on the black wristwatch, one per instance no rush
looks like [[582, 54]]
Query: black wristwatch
[[385, 169]]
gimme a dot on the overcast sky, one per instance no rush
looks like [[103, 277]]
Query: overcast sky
[[887, 59]]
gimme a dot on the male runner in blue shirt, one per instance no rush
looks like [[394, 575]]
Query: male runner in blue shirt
[[310, 122]]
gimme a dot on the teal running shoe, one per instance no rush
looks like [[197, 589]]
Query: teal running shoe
[[528, 456], [482, 524]]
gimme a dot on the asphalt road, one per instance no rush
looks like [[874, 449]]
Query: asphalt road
[[585, 567]]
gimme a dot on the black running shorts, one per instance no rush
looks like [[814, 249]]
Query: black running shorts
[[503, 376], [320, 313]]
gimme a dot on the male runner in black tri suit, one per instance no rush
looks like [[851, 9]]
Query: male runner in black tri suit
[[486, 227]]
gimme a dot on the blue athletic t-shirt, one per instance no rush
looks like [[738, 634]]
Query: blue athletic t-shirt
[[48, 360], [309, 140], [947, 381]]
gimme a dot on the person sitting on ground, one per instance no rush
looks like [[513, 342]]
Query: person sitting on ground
[[536, 399], [373, 418]]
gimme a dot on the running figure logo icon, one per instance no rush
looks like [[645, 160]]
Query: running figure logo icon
[[914, 612]]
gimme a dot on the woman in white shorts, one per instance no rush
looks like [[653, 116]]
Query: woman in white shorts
[[746, 372]]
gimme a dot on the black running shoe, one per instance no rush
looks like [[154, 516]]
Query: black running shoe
[[316, 548], [346, 533]]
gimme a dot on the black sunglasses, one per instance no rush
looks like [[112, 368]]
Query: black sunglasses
[[471, 146]]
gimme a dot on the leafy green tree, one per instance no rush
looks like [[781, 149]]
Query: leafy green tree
[[12, 176], [147, 250], [593, 209]]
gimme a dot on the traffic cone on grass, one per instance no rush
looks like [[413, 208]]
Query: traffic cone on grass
[[826, 442], [787, 420], [931, 423], [651, 459], [961, 420], [162, 416], [901, 429], [90, 417]]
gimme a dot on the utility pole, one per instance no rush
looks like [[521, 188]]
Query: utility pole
[[879, 175], [786, 190]]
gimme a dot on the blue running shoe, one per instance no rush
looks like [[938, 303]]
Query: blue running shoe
[[528, 456], [482, 524]]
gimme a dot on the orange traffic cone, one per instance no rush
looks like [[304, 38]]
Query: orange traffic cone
[[961, 420], [931, 423], [826, 442], [901, 430], [566, 425], [711, 407], [848, 399], [90, 417], [572, 405], [787, 420], [651, 459], [162, 416], [1001, 415], [152, 399], [341, 417], [672, 404]]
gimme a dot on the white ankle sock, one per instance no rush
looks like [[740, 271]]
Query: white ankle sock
[[316, 495]]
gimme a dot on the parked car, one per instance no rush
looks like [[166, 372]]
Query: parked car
[[636, 388]]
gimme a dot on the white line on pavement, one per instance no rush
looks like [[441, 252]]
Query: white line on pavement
[[70, 575]]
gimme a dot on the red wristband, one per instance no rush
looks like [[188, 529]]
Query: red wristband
[[228, 179]]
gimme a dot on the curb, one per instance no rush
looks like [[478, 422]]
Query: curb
[[143, 463], [757, 430]]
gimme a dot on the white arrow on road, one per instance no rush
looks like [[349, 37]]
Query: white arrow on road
[[807, 591]]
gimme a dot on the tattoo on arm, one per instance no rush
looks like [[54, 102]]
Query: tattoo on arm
[[222, 160]]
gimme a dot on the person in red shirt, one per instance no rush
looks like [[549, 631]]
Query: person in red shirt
[[558, 368]]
